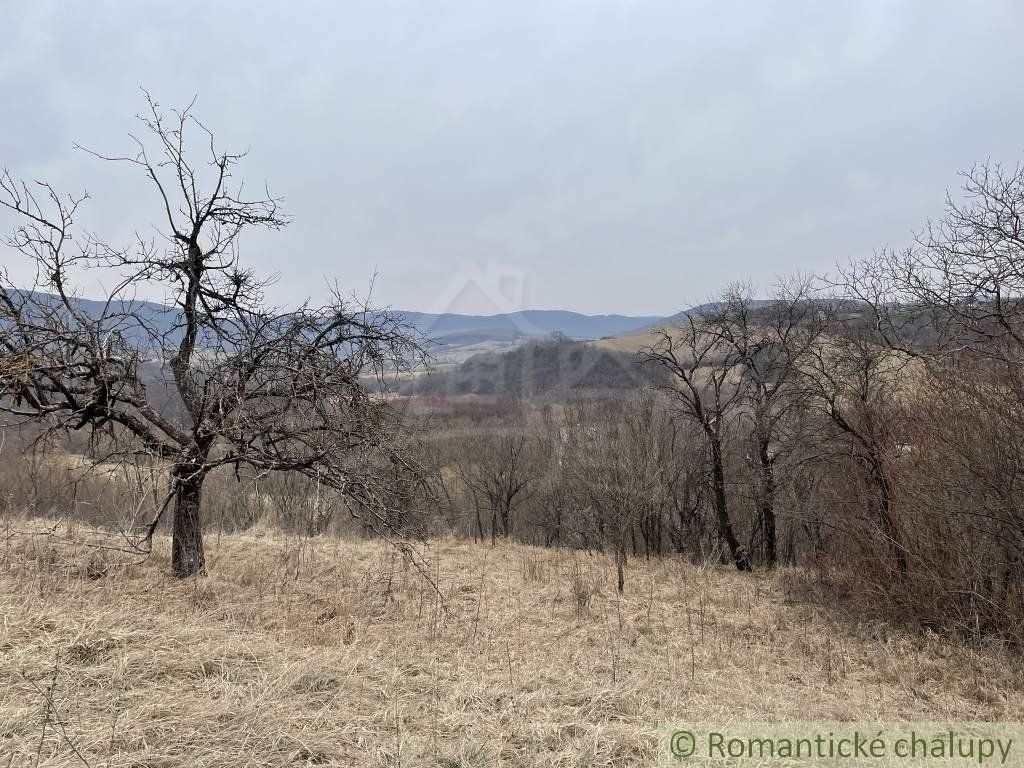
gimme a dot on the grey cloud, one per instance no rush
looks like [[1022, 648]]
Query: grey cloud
[[621, 156]]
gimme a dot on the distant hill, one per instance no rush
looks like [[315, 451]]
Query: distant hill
[[159, 317], [451, 337], [529, 323], [544, 369], [634, 341], [455, 338]]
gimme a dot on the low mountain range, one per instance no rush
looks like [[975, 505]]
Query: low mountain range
[[452, 338]]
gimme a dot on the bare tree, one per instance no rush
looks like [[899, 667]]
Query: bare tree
[[960, 284], [704, 388], [250, 386], [855, 382], [767, 341], [551, 499], [495, 470], [949, 310], [612, 465]]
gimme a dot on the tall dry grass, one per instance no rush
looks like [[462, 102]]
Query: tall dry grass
[[297, 651]]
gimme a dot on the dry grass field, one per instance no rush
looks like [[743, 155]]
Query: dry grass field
[[296, 652]]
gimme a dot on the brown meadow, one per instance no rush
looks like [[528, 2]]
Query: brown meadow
[[325, 651]]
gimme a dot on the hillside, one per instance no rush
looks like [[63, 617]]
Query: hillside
[[849, 311], [455, 338], [637, 339], [303, 652], [551, 368], [633, 340], [629, 343]]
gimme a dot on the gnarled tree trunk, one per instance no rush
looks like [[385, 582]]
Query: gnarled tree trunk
[[187, 556]]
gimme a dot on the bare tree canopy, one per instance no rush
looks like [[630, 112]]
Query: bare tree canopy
[[735, 365], [703, 367], [960, 283], [220, 378]]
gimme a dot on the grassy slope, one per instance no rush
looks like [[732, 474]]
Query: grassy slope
[[628, 342], [333, 653]]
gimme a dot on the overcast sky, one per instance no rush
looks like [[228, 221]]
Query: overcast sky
[[599, 156]]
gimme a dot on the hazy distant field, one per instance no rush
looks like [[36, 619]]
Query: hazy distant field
[[330, 652]]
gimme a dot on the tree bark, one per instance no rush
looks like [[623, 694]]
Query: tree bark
[[506, 516], [890, 529], [739, 555], [767, 501], [187, 556]]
